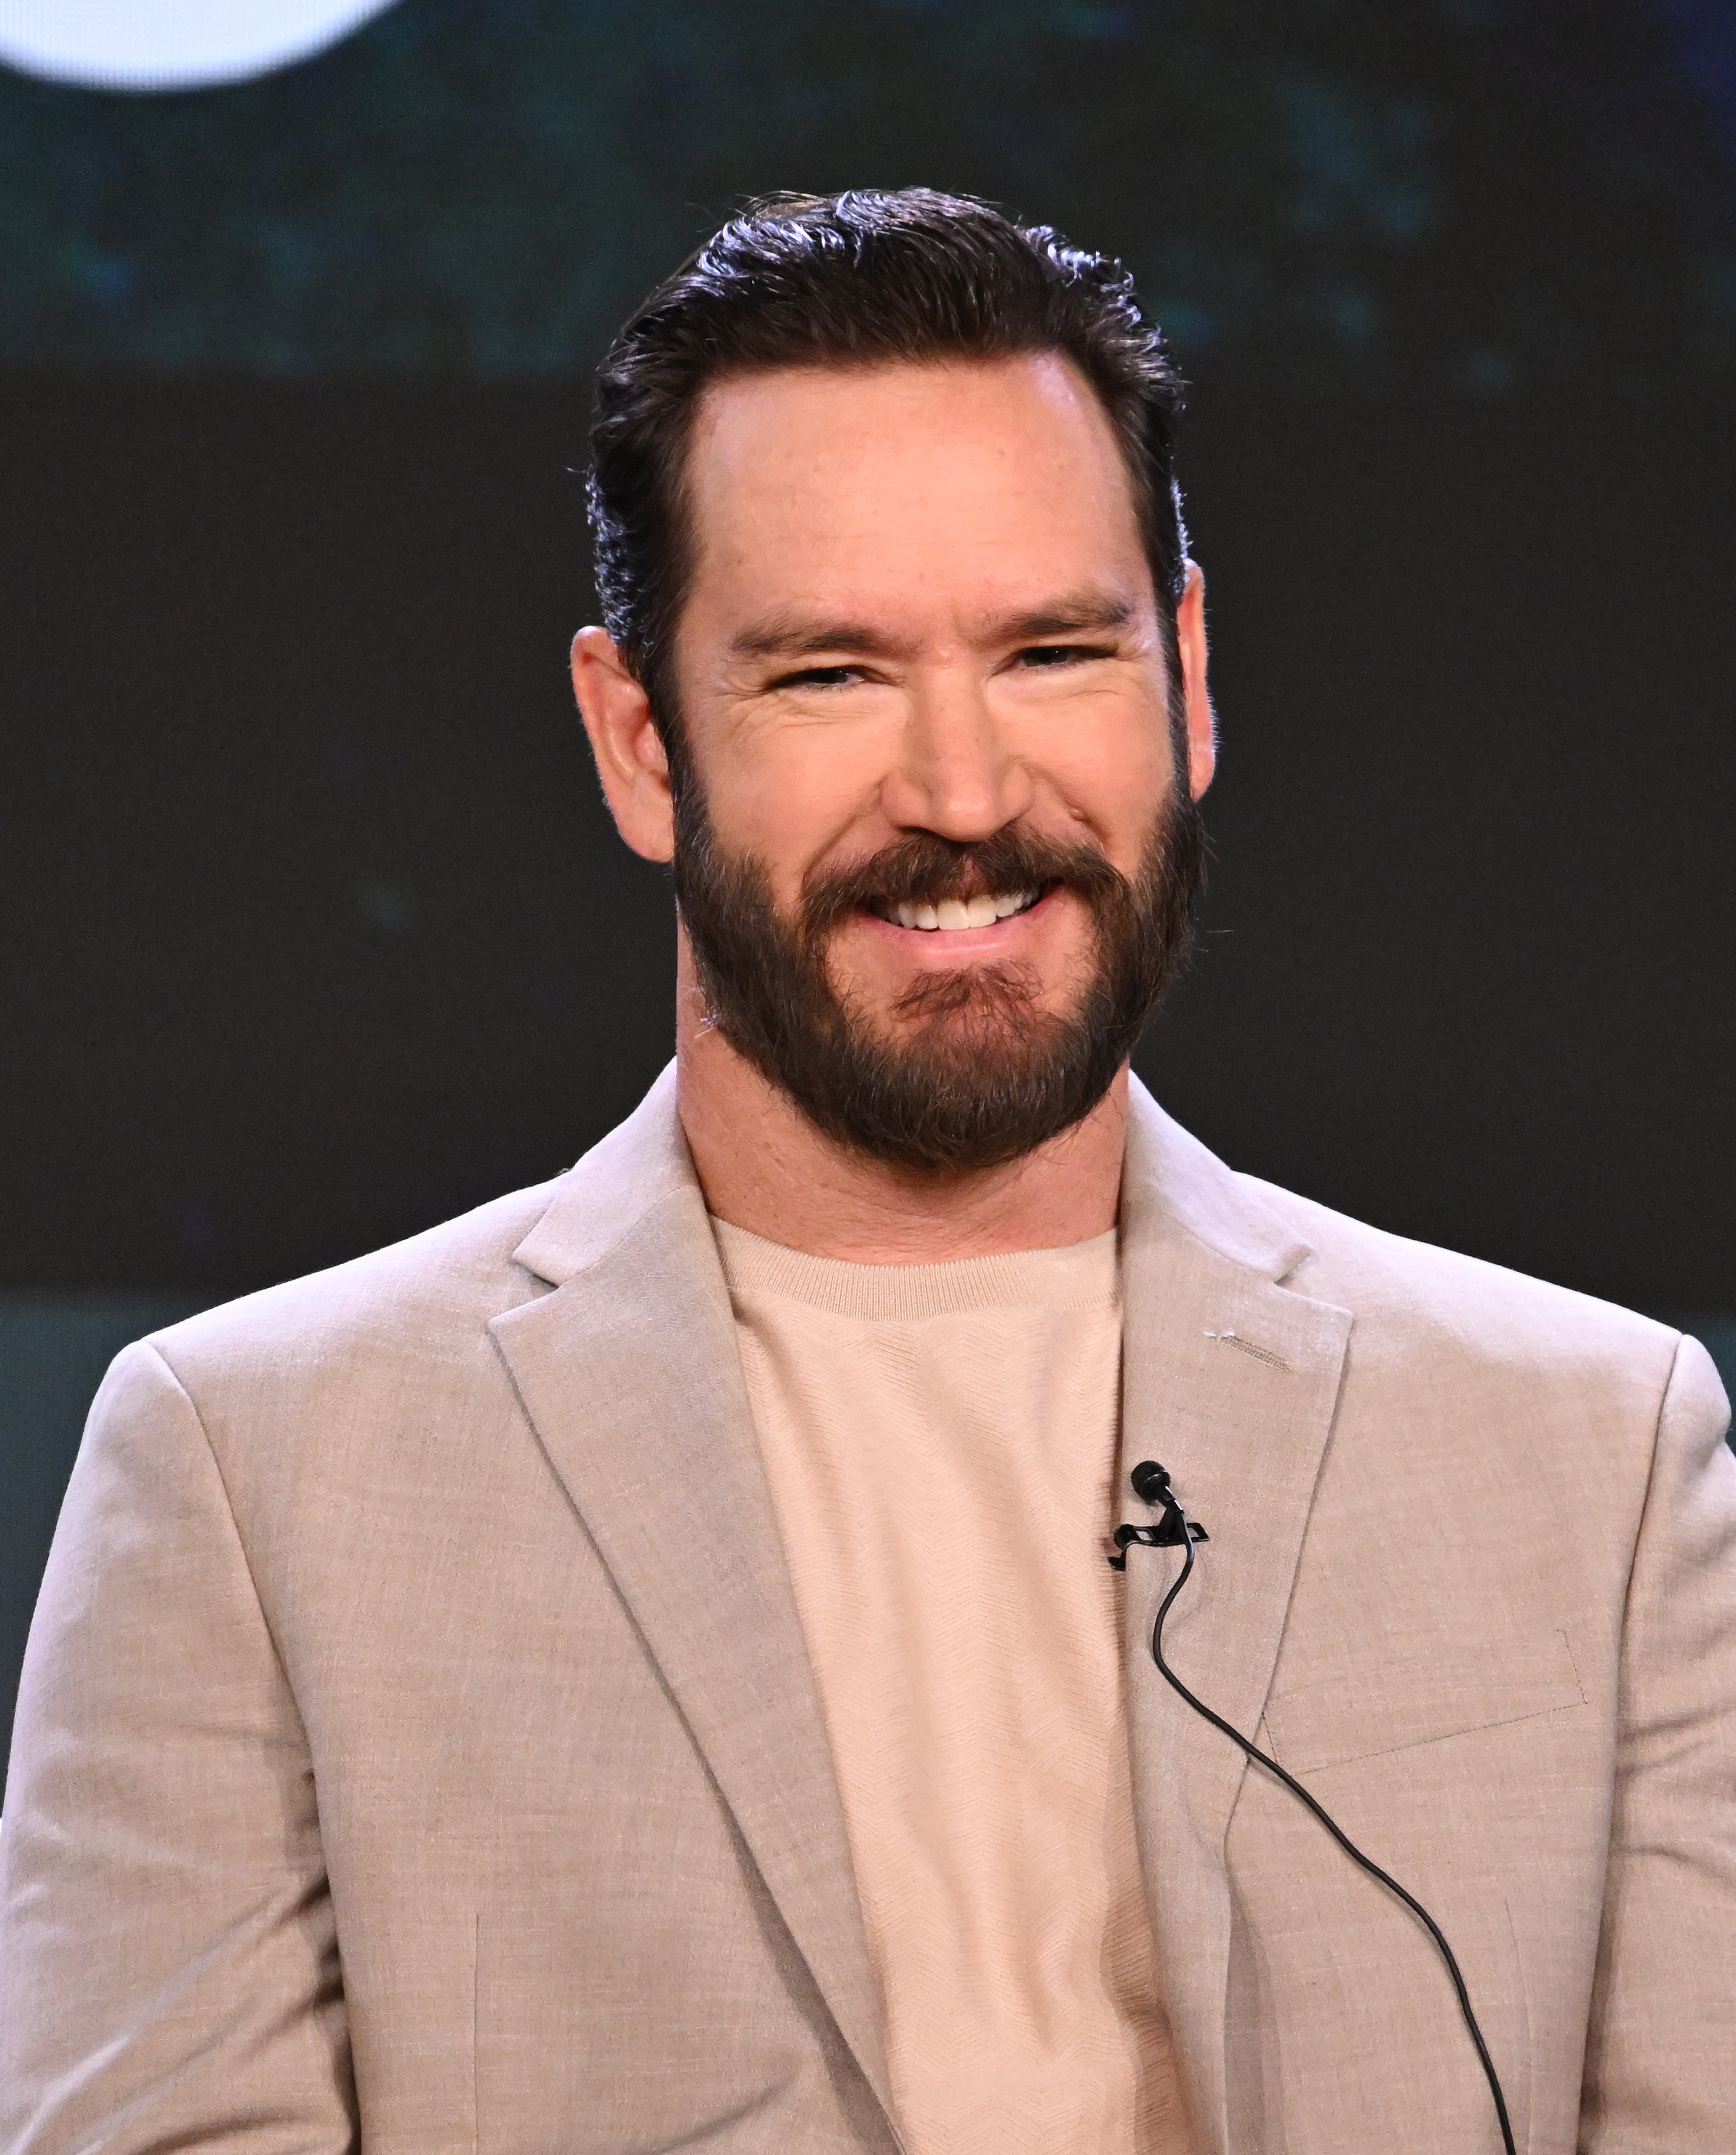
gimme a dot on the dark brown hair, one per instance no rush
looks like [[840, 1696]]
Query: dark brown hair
[[847, 280]]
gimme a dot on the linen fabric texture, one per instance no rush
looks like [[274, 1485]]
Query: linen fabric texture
[[417, 1746]]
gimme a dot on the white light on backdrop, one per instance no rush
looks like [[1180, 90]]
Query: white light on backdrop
[[169, 44]]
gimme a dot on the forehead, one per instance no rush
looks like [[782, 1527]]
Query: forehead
[[969, 483]]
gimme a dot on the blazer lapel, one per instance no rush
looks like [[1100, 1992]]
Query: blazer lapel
[[630, 1373], [1231, 1382]]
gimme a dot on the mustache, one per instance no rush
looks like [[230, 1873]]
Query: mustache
[[923, 868]]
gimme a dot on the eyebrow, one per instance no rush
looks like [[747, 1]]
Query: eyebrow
[[788, 638], [1074, 614]]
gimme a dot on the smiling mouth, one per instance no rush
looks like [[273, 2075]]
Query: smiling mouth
[[950, 915]]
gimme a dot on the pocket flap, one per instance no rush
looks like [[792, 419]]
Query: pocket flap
[[1389, 1705]]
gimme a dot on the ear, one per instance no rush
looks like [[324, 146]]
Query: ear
[[1191, 643], [630, 759]]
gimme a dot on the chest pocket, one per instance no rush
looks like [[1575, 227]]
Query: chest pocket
[[1385, 1705]]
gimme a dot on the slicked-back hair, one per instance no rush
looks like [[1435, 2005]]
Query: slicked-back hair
[[862, 278]]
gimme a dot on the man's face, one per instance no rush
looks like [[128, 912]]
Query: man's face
[[933, 840]]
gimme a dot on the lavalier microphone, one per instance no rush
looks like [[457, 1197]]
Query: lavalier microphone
[[1151, 1486], [1151, 1483]]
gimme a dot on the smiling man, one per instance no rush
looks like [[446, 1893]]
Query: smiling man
[[645, 1667]]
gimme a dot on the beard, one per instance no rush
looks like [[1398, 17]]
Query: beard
[[972, 1070]]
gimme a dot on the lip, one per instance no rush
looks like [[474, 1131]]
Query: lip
[[962, 942]]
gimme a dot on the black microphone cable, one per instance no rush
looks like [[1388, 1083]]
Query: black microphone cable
[[1174, 1529]]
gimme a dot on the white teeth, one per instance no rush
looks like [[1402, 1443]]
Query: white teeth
[[953, 913]]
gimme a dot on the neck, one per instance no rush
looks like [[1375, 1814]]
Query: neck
[[764, 1166]]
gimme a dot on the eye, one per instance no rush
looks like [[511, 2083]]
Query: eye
[[1047, 656], [818, 677]]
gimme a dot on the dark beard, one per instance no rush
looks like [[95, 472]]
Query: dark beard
[[983, 1075]]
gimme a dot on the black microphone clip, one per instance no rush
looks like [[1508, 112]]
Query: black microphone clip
[[1174, 1530]]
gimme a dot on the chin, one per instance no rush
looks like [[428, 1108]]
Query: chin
[[955, 1016]]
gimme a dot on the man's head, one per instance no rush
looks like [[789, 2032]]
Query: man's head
[[899, 622]]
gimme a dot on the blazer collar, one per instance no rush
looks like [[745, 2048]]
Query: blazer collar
[[642, 1163], [1231, 1380], [1171, 1186], [631, 1375]]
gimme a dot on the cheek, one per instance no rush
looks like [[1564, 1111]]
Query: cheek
[[1114, 781], [792, 795]]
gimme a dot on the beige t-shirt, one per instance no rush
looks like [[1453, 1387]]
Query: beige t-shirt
[[940, 1443]]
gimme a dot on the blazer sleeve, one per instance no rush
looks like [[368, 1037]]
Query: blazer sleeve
[[1660, 2060], [168, 1960]]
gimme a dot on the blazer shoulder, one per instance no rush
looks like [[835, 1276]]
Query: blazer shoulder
[[445, 1283], [1416, 1302]]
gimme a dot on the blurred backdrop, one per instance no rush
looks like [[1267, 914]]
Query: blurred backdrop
[[316, 932]]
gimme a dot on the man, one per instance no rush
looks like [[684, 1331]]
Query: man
[[636, 1668]]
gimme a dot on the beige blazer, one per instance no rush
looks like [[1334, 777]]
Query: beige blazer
[[417, 1739]]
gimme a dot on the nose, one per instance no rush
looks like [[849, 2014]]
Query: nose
[[955, 774]]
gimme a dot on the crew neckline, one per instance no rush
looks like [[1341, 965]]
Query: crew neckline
[[1081, 1276]]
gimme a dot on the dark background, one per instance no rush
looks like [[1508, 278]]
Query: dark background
[[315, 929]]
